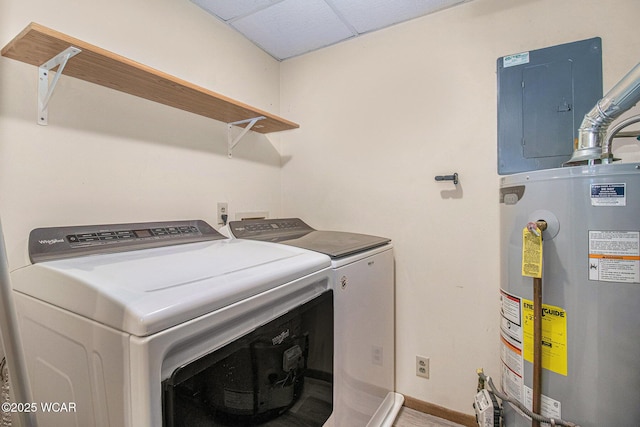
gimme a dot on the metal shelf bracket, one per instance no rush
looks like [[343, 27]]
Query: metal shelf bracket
[[45, 89], [233, 142]]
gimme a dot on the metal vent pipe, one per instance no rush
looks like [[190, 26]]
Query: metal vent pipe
[[593, 146]]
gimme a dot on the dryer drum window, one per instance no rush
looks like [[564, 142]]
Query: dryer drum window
[[279, 374]]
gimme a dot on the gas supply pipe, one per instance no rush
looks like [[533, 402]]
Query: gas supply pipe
[[535, 245]]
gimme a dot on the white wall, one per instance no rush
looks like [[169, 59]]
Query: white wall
[[383, 114], [108, 157]]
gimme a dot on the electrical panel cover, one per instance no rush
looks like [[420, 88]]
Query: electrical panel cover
[[543, 96]]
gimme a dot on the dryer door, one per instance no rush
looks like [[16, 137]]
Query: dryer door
[[281, 373]]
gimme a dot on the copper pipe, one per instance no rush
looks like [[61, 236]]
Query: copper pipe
[[537, 341], [537, 348]]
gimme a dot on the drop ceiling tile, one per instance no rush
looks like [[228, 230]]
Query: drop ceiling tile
[[370, 15], [287, 28], [227, 9], [293, 27]]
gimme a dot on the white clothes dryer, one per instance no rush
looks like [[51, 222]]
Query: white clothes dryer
[[170, 324], [363, 281]]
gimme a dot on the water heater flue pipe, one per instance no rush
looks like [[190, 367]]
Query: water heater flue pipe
[[593, 146]]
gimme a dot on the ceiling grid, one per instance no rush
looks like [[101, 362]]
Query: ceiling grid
[[289, 28]]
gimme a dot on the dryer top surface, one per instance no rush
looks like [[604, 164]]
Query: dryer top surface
[[145, 291]]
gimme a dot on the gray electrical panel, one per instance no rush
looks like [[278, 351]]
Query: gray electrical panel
[[543, 96]]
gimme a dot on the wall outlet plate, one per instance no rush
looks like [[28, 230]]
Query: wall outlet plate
[[422, 366], [223, 209]]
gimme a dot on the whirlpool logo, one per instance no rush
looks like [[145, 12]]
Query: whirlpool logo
[[50, 241], [279, 339]]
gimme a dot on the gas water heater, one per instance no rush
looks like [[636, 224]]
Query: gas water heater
[[590, 311]]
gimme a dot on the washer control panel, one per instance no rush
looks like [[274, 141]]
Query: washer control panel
[[144, 233], [269, 229], [46, 244]]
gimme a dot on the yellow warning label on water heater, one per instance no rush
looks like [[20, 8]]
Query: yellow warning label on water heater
[[554, 336], [531, 253]]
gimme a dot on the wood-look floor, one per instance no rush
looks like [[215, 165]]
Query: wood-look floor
[[412, 418]]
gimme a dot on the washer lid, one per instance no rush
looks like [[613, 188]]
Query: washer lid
[[337, 244], [145, 291], [295, 232]]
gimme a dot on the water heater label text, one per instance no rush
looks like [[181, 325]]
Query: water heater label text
[[608, 194]]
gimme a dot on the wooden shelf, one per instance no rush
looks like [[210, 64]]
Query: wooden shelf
[[37, 44]]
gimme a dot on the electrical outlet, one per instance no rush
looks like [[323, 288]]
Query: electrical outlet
[[222, 210], [422, 366], [376, 355]]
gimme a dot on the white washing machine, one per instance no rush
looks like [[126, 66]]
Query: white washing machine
[[363, 281], [171, 324]]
